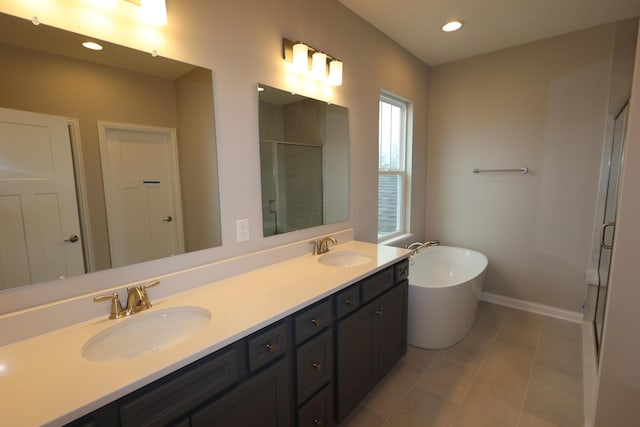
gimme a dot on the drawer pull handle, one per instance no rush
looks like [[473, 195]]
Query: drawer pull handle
[[317, 422], [316, 321], [317, 366], [348, 301], [271, 348]]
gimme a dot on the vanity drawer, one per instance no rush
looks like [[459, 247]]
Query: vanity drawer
[[318, 411], [347, 301], [312, 320], [267, 345], [314, 365], [402, 271], [162, 404], [374, 285]]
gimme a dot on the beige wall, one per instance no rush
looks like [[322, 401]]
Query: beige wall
[[619, 375], [543, 106], [241, 41], [198, 160]]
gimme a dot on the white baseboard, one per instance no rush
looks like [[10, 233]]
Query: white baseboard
[[558, 313]]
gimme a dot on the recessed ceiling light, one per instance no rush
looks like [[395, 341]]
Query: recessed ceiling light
[[92, 45], [452, 26]]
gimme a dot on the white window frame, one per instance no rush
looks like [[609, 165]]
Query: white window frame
[[404, 169]]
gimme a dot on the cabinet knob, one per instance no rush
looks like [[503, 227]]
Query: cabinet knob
[[317, 366], [271, 347], [317, 422], [316, 321], [380, 311], [348, 301]]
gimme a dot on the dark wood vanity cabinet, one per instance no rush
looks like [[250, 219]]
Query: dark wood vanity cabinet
[[262, 401], [314, 365], [370, 341], [306, 370]]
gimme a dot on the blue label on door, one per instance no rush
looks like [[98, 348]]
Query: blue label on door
[[150, 181]]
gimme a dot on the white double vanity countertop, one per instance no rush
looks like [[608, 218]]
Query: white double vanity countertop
[[46, 380]]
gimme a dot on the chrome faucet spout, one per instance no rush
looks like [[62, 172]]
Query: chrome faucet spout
[[413, 246], [416, 246]]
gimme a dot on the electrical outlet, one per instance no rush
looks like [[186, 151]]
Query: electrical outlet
[[242, 230]]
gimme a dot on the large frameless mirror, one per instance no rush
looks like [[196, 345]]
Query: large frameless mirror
[[107, 157], [304, 161]]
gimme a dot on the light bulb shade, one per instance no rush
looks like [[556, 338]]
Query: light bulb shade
[[335, 72], [301, 57], [154, 11], [319, 65]]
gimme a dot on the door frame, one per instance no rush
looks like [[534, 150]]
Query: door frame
[[103, 127], [81, 194]]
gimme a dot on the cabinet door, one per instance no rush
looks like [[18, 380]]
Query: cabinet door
[[391, 316], [356, 359], [264, 400]]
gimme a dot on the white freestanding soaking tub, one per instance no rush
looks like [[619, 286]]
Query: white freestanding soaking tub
[[444, 289]]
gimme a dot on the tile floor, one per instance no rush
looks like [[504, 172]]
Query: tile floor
[[513, 369]]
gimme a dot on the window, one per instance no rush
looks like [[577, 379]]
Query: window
[[393, 178]]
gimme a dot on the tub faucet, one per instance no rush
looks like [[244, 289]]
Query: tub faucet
[[416, 246]]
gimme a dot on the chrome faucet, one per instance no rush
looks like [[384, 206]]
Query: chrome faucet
[[137, 300], [416, 246], [321, 246]]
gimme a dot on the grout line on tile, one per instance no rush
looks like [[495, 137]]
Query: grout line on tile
[[533, 365], [475, 377], [413, 385]]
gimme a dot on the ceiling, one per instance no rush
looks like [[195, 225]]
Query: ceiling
[[22, 33], [489, 25]]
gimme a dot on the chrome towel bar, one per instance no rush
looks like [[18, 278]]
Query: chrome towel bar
[[521, 170]]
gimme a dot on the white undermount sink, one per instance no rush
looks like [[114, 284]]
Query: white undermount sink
[[344, 259], [145, 333]]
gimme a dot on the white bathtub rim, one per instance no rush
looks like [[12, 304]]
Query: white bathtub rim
[[484, 262]]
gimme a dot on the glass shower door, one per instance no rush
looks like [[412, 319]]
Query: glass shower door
[[292, 195], [608, 223]]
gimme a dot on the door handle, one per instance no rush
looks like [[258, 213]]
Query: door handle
[[604, 230], [72, 239], [168, 219]]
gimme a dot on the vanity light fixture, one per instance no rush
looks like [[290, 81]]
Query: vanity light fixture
[[451, 26], [335, 73], [92, 45], [324, 67], [319, 65], [300, 56], [152, 11]]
